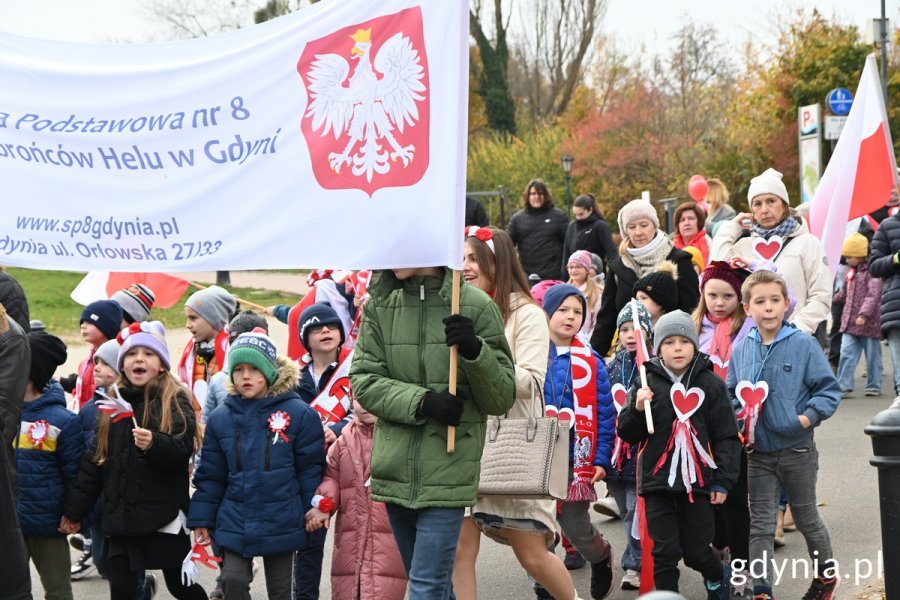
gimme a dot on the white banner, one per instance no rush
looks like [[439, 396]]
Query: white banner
[[332, 137]]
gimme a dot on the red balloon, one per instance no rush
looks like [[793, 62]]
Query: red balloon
[[697, 187]]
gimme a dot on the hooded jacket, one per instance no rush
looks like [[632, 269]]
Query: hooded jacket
[[539, 234], [800, 382], [45, 466], [143, 490], [253, 486], [713, 423], [861, 296], [15, 364], [401, 354], [368, 566], [802, 263]]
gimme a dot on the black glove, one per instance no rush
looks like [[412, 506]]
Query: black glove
[[68, 383], [443, 407], [460, 331]]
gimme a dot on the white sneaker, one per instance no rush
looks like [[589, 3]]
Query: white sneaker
[[608, 506], [631, 580]]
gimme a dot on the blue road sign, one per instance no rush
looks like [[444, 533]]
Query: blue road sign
[[839, 101]]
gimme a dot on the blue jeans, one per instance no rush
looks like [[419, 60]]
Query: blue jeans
[[852, 347], [796, 469], [625, 494], [427, 540], [893, 339]]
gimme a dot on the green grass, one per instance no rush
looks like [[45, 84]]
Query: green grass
[[49, 301]]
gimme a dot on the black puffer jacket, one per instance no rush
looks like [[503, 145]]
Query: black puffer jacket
[[142, 490], [885, 244], [591, 234], [12, 297], [620, 280], [714, 423], [539, 235]]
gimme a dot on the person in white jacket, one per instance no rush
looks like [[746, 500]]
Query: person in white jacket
[[779, 235]]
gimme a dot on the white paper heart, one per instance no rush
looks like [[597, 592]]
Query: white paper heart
[[719, 366], [620, 396], [686, 402]]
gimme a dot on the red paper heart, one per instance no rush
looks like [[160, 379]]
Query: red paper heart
[[686, 402], [768, 250], [749, 394], [620, 396]]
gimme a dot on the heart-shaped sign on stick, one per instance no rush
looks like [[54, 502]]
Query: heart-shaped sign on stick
[[751, 395], [620, 396], [768, 250], [686, 402]]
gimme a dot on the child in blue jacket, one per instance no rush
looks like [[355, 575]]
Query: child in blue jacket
[[782, 386], [263, 457], [47, 450], [577, 388]]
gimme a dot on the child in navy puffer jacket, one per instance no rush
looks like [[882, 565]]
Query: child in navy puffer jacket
[[263, 457], [577, 388], [47, 449]]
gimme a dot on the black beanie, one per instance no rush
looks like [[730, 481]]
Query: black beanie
[[317, 315], [48, 352], [106, 315], [660, 285], [245, 322]]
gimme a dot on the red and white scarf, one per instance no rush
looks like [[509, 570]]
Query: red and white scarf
[[334, 401], [84, 384], [584, 399], [188, 362]]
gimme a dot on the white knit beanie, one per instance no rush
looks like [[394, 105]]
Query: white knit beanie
[[768, 183], [634, 210]]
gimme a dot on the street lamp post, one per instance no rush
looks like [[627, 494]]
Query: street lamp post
[[567, 161]]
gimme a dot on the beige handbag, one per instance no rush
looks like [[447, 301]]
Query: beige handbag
[[525, 457]]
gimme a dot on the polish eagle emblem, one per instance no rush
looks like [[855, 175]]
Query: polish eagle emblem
[[378, 101]]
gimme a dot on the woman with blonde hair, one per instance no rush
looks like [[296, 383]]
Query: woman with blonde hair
[[719, 209]]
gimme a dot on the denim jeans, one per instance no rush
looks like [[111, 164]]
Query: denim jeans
[[796, 469], [893, 339], [852, 347], [427, 539], [625, 494]]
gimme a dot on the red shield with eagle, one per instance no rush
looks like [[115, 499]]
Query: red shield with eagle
[[366, 121]]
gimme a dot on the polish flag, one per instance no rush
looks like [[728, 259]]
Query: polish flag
[[862, 171], [643, 355], [101, 285]]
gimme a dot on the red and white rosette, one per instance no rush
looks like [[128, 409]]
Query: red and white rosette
[[751, 396], [323, 504], [38, 432], [683, 444], [278, 423]]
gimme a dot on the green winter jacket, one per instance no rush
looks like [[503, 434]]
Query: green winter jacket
[[401, 353]]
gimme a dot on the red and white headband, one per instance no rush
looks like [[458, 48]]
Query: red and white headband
[[482, 233]]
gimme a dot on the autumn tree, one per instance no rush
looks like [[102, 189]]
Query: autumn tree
[[492, 83]]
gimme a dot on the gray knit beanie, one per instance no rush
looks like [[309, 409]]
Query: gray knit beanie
[[108, 352], [674, 323], [214, 304]]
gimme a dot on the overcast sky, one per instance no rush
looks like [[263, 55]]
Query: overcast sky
[[632, 22]]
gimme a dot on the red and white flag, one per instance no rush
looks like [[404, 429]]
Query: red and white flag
[[101, 285], [862, 171], [117, 408], [643, 355]]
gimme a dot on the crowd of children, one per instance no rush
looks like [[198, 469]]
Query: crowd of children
[[696, 424]]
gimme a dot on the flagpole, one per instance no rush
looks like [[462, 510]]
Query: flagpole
[[454, 353], [648, 413]]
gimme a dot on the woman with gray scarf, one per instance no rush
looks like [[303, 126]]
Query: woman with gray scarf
[[779, 235], [643, 247]]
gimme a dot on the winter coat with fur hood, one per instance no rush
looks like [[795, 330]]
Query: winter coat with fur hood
[[255, 485], [366, 563]]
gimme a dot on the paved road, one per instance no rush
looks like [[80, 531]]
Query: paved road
[[847, 490]]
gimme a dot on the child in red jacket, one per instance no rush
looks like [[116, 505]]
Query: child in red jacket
[[366, 563]]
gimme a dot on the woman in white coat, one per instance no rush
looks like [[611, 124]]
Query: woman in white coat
[[777, 234]]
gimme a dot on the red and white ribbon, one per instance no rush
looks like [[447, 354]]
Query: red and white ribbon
[[278, 423]]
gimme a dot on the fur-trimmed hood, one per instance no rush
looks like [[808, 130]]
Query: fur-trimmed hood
[[288, 376]]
